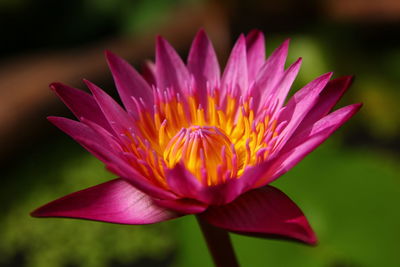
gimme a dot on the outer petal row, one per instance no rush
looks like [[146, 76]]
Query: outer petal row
[[116, 201], [264, 212], [300, 146], [114, 160], [129, 83]]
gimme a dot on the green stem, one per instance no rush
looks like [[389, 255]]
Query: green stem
[[219, 244]]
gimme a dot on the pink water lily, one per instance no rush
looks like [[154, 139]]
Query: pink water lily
[[192, 141]]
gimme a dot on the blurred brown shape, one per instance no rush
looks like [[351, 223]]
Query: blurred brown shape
[[364, 10], [24, 81]]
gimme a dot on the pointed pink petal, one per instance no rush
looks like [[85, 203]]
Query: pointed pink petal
[[270, 74], [149, 72], [327, 99], [119, 120], [325, 125], [80, 103], [116, 201], [170, 70], [298, 107], [182, 182], [129, 83], [203, 65], [278, 58], [85, 136], [283, 87], [235, 73], [98, 144], [118, 164], [265, 212], [110, 139], [255, 44], [300, 146], [81, 133]]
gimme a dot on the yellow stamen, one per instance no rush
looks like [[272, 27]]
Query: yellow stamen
[[215, 144]]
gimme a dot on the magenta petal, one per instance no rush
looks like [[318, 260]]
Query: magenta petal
[[327, 99], [81, 133], [81, 104], [148, 72], [203, 65], [278, 58], [117, 164], [116, 201], [235, 74], [298, 107], [94, 140], [301, 145], [170, 69], [183, 183], [269, 75], [284, 85], [255, 44], [129, 83], [265, 212], [119, 120], [110, 139], [186, 185]]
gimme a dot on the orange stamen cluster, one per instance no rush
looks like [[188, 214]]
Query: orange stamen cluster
[[215, 144]]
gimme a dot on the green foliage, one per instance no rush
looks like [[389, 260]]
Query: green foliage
[[58, 242]]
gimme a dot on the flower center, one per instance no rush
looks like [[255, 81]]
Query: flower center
[[205, 151], [215, 144]]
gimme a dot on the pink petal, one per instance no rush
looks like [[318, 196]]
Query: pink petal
[[129, 83], [118, 164], [149, 72], [298, 107], [185, 185], [327, 99], [255, 44], [284, 85], [278, 58], [282, 88], [235, 73], [265, 212], [203, 65], [170, 70], [300, 146], [81, 104], [110, 139], [118, 118], [81, 133], [270, 74], [116, 201], [97, 142]]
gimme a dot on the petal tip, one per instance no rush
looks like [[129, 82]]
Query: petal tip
[[54, 85], [52, 119], [201, 32], [37, 213], [110, 56]]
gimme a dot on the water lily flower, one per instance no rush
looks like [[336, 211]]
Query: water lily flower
[[189, 140]]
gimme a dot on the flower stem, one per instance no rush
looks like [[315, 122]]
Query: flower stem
[[219, 244]]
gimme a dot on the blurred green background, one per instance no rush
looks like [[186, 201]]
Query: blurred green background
[[349, 188]]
